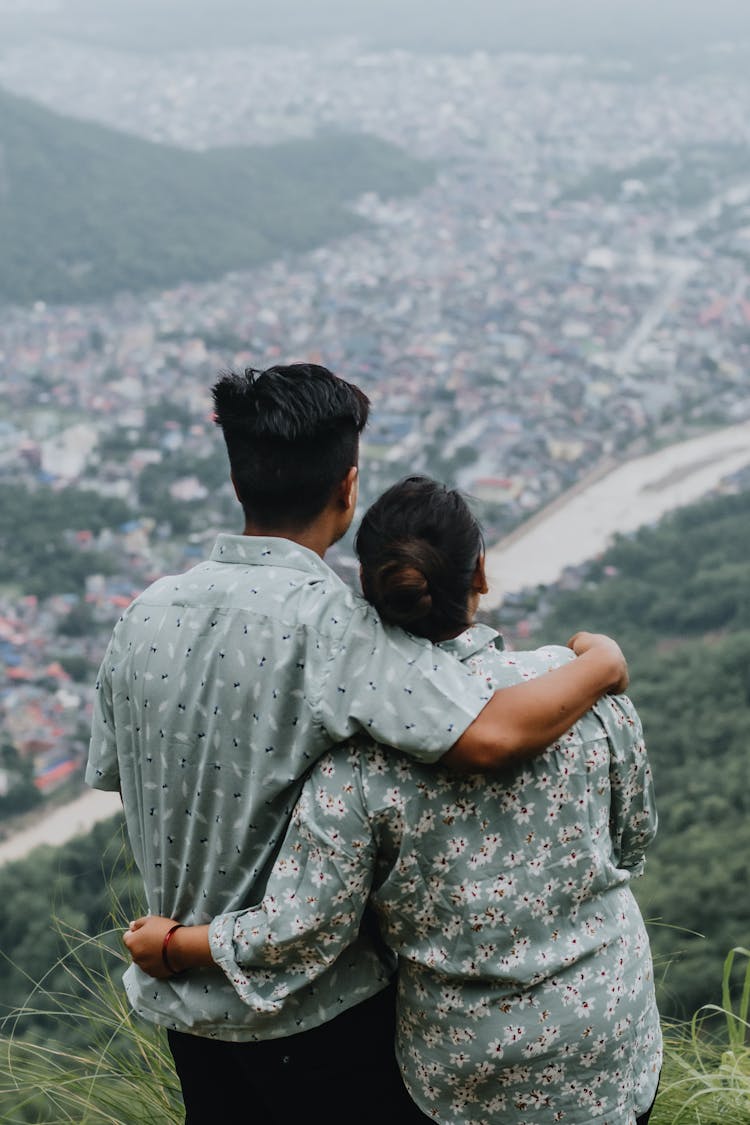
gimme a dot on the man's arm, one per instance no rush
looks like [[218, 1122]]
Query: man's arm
[[188, 947], [519, 722], [403, 691]]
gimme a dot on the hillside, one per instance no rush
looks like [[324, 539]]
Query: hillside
[[86, 211], [677, 597]]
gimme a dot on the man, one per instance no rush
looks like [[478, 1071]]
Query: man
[[220, 689]]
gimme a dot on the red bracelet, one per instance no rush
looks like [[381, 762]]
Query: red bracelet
[[164, 944]]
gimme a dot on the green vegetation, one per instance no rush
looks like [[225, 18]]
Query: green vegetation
[[21, 794], [73, 1052], [86, 211], [156, 501], [60, 891], [706, 1076], [37, 536], [686, 178], [677, 597]]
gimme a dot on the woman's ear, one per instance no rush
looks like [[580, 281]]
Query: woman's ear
[[479, 581]]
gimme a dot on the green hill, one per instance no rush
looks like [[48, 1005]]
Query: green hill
[[677, 597], [86, 211]]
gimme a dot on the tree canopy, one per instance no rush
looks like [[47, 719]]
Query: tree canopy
[[86, 211]]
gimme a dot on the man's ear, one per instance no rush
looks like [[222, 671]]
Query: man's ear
[[479, 581], [349, 489], [234, 486]]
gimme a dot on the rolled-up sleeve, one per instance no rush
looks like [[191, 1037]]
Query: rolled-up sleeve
[[633, 816], [315, 896], [401, 690]]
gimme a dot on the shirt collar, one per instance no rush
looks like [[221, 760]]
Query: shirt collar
[[472, 641], [267, 550]]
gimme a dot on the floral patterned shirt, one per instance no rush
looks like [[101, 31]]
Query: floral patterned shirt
[[526, 991]]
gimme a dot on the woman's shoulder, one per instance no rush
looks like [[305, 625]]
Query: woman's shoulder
[[508, 666]]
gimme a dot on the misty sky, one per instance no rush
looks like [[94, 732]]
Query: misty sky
[[630, 27]]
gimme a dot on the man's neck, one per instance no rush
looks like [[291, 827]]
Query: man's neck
[[316, 537]]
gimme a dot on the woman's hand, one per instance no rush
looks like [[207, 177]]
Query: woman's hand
[[145, 940], [608, 650]]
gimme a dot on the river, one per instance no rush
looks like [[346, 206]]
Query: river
[[577, 526], [61, 824], [581, 523]]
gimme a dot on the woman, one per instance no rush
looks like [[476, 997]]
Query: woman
[[525, 978]]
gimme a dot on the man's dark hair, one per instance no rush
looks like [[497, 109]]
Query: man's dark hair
[[419, 545], [292, 434]]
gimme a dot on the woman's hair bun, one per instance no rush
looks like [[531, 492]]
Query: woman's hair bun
[[419, 546], [402, 591]]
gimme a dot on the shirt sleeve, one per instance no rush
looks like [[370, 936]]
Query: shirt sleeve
[[633, 816], [399, 689], [315, 896], [102, 770]]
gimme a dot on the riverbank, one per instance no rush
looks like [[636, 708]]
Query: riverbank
[[61, 824], [581, 523]]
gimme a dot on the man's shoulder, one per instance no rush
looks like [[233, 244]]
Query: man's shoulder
[[321, 603]]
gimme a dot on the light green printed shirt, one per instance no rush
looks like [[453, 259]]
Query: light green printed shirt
[[526, 992], [219, 690]]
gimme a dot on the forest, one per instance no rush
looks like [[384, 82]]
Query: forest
[[86, 211], [40, 525]]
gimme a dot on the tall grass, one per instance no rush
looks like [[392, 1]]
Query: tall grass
[[122, 1073], [98, 1065], [706, 1077]]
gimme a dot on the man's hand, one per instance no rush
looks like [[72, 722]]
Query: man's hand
[[144, 939], [606, 647]]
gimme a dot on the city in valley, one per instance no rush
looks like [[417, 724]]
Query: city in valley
[[569, 290]]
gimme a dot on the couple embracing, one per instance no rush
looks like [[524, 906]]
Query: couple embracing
[[386, 862]]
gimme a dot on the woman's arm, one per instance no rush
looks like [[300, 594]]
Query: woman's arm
[[522, 721], [312, 909]]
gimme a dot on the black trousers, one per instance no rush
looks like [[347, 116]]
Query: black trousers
[[643, 1119], [343, 1071]]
